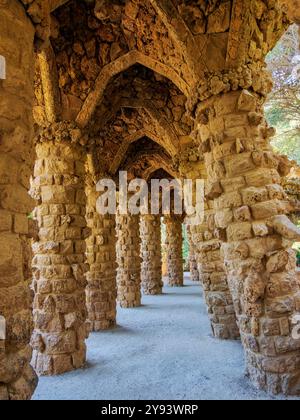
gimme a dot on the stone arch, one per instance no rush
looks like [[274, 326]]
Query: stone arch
[[180, 32], [55, 4], [245, 176], [121, 64], [156, 168], [165, 126], [127, 142], [154, 161]]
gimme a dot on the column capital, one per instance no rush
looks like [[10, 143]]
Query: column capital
[[253, 77], [63, 131], [189, 159]]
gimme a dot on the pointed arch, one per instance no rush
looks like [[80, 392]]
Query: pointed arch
[[156, 168], [55, 4], [155, 161], [118, 66], [125, 146]]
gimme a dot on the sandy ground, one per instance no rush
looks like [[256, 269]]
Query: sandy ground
[[162, 350]]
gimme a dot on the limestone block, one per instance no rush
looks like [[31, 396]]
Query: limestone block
[[239, 231], [247, 101], [219, 20], [264, 210], [5, 221], [285, 227], [242, 214], [260, 229], [253, 195], [228, 201]]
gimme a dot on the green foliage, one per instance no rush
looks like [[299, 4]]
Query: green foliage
[[275, 116], [283, 106], [298, 256], [289, 145]]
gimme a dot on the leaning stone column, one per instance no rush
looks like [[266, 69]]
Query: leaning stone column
[[251, 210], [129, 261], [152, 283], [17, 378], [192, 257], [59, 262], [101, 291], [208, 242], [193, 267], [174, 250]]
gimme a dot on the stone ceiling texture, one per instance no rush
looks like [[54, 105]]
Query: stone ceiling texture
[[123, 69], [292, 8], [144, 157]]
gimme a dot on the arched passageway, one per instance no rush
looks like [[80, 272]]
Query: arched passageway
[[97, 87]]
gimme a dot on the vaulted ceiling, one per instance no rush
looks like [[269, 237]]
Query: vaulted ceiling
[[124, 69]]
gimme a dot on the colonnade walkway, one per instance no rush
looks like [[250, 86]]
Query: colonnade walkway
[[162, 350]]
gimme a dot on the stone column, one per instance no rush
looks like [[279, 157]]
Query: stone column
[[17, 378], [101, 291], [208, 241], [129, 261], [192, 258], [174, 250], [152, 283], [251, 210], [59, 262], [164, 264]]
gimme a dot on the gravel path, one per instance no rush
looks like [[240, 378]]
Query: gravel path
[[163, 350]]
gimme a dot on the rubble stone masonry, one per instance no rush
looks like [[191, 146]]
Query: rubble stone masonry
[[250, 210], [151, 255], [174, 89], [101, 291], [59, 262], [208, 241], [192, 258], [17, 378], [129, 261], [174, 250]]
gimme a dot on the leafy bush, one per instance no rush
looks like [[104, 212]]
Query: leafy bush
[[298, 257]]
